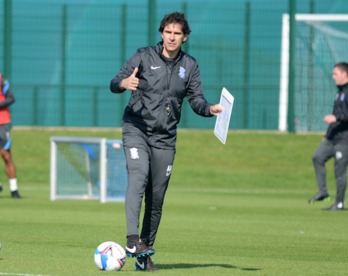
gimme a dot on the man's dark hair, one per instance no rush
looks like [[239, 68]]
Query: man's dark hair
[[177, 18], [343, 66]]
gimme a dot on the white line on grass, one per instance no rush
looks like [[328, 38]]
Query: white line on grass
[[19, 274]]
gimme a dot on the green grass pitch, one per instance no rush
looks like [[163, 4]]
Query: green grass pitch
[[234, 209]]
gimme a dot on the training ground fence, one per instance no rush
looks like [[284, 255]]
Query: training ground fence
[[61, 55]]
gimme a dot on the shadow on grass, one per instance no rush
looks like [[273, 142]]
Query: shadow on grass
[[186, 266]]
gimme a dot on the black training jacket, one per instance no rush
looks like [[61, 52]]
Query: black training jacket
[[338, 131], [155, 107]]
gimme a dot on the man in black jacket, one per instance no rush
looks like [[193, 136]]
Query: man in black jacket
[[335, 142], [160, 77]]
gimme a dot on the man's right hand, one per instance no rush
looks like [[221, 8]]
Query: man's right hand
[[329, 119], [132, 82]]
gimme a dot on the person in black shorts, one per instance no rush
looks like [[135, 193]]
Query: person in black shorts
[[6, 99]]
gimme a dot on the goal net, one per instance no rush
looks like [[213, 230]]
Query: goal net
[[87, 168], [321, 41]]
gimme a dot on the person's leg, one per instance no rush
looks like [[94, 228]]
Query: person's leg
[[322, 154], [138, 166], [9, 164], [137, 171], [160, 172], [341, 162], [10, 167]]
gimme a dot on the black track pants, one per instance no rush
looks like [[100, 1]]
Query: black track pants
[[323, 153], [149, 170]]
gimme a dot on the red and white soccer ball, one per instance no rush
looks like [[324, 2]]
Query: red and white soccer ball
[[110, 256]]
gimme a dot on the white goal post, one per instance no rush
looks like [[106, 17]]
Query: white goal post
[[87, 168], [324, 37]]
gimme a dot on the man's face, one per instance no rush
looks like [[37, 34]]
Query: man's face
[[340, 77], [172, 37]]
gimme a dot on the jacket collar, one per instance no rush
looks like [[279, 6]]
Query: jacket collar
[[342, 87], [159, 49]]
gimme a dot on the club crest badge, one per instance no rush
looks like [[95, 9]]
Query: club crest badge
[[134, 153], [182, 72]]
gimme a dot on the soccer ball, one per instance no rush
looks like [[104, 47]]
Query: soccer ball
[[109, 256]]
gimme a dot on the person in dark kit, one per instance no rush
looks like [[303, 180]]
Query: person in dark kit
[[160, 77], [335, 143]]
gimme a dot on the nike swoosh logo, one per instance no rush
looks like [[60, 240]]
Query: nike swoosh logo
[[141, 265], [131, 250], [155, 67]]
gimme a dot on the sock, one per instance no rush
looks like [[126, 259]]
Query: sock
[[13, 184], [132, 238]]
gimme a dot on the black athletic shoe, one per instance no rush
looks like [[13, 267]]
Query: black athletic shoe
[[336, 207], [15, 194], [0, 187], [318, 197], [137, 248], [145, 264]]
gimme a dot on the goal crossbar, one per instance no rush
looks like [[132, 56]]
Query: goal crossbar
[[321, 17]]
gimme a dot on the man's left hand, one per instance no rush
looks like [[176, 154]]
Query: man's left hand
[[216, 109]]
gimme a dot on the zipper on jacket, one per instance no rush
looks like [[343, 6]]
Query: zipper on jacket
[[167, 98], [166, 108]]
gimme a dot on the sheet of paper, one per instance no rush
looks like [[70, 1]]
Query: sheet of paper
[[223, 119]]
